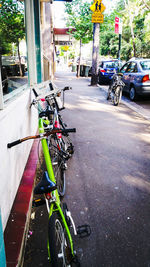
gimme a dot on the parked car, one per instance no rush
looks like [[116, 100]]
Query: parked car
[[11, 65], [106, 70], [136, 76]]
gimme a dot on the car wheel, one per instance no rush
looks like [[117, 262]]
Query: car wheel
[[132, 93]]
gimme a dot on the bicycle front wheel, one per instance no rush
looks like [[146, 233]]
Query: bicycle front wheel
[[59, 246]]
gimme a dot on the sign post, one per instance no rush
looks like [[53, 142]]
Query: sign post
[[97, 17], [118, 30]]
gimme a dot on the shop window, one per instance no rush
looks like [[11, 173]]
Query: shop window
[[13, 48]]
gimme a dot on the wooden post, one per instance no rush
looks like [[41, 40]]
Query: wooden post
[[95, 54]]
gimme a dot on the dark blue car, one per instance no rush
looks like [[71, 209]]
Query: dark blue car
[[106, 70]]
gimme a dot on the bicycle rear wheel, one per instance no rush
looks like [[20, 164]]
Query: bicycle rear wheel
[[117, 96], [67, 145], [59, 246], [58, 166]]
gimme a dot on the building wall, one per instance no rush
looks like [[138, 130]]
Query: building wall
[[47, 39], [17, 120]]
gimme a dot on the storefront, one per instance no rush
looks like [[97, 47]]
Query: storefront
[[17, 119]]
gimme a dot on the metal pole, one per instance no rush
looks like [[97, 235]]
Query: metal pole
[[119, 46], [119, 50]]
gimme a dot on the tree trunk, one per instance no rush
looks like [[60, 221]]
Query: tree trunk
[[95, 54], [78, 71], [132, 34], [131, 27], [20, 69]]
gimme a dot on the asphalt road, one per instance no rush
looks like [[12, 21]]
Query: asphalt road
[[108, 181]]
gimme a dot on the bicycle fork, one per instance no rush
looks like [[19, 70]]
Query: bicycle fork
[[58, 209]]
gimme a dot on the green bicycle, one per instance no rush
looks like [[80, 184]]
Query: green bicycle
[[60, 244], [60, 146]]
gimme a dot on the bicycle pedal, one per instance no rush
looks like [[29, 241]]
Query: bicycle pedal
[[70, 150], [83, 230], [38, 202]]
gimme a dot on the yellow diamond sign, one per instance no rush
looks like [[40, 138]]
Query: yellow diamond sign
[[98, 8]]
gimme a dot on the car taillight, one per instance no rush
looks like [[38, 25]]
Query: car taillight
[[102, 70], [145, 78]]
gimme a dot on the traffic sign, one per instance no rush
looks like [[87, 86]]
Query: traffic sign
[[97, 6], [97, 17], [118, 25]]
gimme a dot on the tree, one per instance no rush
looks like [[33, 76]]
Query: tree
[[136, 30], [12, 28], [79, 18]]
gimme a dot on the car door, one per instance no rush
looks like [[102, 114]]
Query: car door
[[131, 75], [125, 75]]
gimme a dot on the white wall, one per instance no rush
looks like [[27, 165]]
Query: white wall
[[17, 120]]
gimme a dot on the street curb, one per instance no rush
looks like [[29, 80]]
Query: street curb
[[15, 233], [135, 107]]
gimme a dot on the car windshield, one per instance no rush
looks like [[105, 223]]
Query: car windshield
[[111, 65], [145, 65]]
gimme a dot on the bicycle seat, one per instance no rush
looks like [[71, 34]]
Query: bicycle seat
[[45, 185]]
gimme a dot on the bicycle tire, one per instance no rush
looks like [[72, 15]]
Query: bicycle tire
[[116, 96], [59, 246], [58, 165], [67, 145]]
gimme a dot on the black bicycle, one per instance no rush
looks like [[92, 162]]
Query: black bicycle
[[115, 89]]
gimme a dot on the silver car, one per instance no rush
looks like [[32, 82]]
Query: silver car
[[136, 76]]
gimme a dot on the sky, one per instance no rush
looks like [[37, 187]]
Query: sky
[[59, 11]]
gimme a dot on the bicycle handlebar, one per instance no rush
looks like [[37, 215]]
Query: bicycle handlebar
[[17, 142], [67, 88], [52, 95], [55, 130], [71, 130], [35, 93]]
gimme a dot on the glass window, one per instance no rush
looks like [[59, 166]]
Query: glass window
[[111, 64], [124, 68], [145, 65], [132, 67], [13, 58]]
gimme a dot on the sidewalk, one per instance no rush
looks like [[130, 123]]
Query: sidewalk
[[107, 181]]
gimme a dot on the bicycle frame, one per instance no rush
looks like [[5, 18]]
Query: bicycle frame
[[56, 201]]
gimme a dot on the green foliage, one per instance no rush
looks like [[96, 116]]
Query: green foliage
[[129, 10], [11, 23], [79, 18]]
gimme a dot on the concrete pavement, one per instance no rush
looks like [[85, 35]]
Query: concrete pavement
[[108, 181]]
